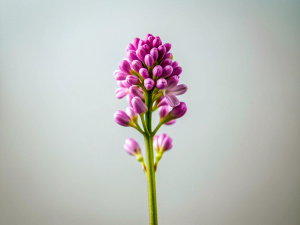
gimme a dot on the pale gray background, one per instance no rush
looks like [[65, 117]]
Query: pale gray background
[[236, 153]]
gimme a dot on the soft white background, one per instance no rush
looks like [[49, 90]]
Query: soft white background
[[236, 153]]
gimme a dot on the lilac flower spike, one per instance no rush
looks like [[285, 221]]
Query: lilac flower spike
[[149, 78]]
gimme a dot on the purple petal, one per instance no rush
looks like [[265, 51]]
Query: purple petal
[[163, 111], [170, 122], [172, 100], [178, 90], [172, 82], [121, 92]]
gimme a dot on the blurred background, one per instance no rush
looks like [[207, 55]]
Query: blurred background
[[235, 156]]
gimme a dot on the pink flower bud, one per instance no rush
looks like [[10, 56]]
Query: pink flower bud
[[159, 41], [174, 64], [125, 66], [178, 111], [166, 62], [162, 143], [149, 83], [156, 42], [154, 53], [133, 91], [141, 53], [149, 60], [168, 47], [138, 105], [130, 47], [157, 71], [119, 75], [129, 98], [123, 83], [163, 111], [121, 92], [177, 71], [161, 83], [131, 113], [168, 56], [136, 65], [132, 80], [135, 42], [141, 43], [150, 41], [131, 55], [167, 71], [132, 147], [144, 73], [172, 82], [122, 118], [161, 52], [147, 48], [146, 36]]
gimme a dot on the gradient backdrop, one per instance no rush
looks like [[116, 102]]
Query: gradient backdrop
[[236, 153]]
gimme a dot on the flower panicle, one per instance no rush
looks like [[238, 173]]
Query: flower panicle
[[149, 72]]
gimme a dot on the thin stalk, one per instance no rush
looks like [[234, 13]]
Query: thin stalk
[[157, 127], [150, 173]]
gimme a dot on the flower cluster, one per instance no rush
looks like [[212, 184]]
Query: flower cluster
[[149, 74]]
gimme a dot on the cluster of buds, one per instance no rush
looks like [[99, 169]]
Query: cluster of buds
[[148, 70]]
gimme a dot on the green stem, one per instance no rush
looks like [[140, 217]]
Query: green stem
[[138, 128], [157, 127], [150, 174], [144, 123]]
